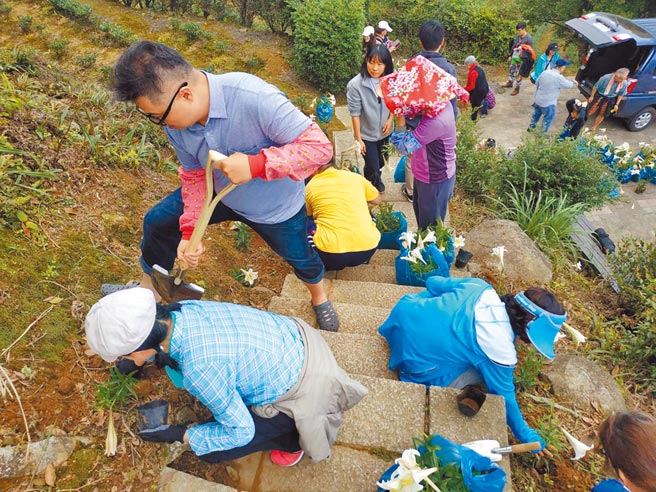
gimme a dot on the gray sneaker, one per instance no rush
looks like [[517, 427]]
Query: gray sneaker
[[106, 289], [404, 192]]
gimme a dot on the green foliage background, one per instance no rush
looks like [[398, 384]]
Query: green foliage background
[[327, 47]]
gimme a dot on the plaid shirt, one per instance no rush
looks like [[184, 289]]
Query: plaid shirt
[[232, 357]]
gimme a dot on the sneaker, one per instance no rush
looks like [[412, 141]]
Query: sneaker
[[515, 91], [106, 289], [281, 458], [404, 192], [381, 187]]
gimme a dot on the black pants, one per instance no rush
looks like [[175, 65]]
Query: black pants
[[278, 433], [374, 160]]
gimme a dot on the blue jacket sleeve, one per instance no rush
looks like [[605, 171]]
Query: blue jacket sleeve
[[500, 381]]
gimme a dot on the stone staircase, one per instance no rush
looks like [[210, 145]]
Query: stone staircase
[[384, 424]]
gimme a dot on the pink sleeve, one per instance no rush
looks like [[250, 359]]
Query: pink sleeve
[[297, 160], [193, 197]]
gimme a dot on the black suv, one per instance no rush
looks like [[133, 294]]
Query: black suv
[[614, 42]]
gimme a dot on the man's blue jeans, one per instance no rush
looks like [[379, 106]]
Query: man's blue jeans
[[548, 113], [162, 235]]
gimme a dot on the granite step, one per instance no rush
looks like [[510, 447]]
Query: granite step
[[353, 318], [368, 273], [384, 257], [351, 292], [365, 355]]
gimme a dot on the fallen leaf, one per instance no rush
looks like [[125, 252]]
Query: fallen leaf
[[49, 475], [616, 370], [53, 299], [70, 211], [89, 353]]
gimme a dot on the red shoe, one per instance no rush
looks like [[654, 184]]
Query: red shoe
[[281, 458]]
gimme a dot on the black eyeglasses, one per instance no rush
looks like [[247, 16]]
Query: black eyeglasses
[[160, 120]]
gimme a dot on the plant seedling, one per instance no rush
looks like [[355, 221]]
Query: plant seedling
[[118, 389]]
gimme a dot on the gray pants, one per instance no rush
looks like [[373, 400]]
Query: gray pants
[[470, 376]]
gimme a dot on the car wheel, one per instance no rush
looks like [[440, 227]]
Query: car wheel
[[641, 119]]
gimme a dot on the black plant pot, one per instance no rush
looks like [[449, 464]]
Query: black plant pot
[[152, 414], [471, 399], [462, 258]]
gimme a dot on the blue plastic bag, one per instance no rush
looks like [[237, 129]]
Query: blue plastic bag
[[388, 240], [405, 142], [324, 110], [406, 276], [479, 473], [399, 172]]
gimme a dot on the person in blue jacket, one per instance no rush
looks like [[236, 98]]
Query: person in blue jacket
[[627, 440], [459, 332]]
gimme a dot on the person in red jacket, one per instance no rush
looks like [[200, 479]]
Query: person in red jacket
[[477, 87]]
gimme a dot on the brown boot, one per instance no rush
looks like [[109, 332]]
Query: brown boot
[[471, 399], [515, 91], [507, 84]]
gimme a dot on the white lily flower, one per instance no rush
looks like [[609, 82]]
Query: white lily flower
[[417, 254], [576, 335], [459, 242], [249, 276], [409, 258], [429, 238], [408, 238], [579, 448], [579, 266], [634, 171], [313, 103], [111, 441], [313, 117], [408, 459], [408, 476], [234, 225], [499, 251], [332, 99], [624, 146], [560, 335]]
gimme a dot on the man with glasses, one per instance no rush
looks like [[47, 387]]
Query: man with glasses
[[271, 147]]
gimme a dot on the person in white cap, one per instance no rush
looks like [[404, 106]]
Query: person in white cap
[[270, 381], [382, 30], [368, 38]]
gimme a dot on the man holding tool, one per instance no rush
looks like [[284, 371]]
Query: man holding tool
[[271, 147], [271, 382]]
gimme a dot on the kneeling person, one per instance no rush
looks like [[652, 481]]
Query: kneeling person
[[345, 235], [270, 381]]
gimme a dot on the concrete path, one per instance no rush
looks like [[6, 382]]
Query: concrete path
[[384, 424], [632, 214]]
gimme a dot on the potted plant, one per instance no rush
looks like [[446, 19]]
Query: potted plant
[[391, 225], [424, 254]]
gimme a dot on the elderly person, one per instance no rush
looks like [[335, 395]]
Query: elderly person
[[459, 333], [607, 94], [547, 90], [477, 87], [270, 381], [627, 440], [271, 147]]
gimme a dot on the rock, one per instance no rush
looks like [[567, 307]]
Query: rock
[[53, 450], [524, 263], [65, 386], [583, 382]]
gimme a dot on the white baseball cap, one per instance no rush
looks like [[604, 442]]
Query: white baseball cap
[[368, 31], [120, 322], [384, 25]]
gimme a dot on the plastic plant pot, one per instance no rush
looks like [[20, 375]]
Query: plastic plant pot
[[152, 414], [470, 400], [462, 258]]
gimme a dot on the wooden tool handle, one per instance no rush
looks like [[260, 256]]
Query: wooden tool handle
[[209, 205], [525, 447]]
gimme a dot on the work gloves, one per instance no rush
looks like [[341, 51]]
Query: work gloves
[[164, 433], [127, 366]]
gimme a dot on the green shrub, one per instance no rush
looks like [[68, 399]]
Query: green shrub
[[72, 9], [4, 8], [634, 267], [193, 31], [276, 13], [327, 46], [59, 47], [175, 23], [557, 169], [25, 23], [221, 46], [254, 63], [115, 35], [638, 346], [86, 61], [476, 168], [479, 28]]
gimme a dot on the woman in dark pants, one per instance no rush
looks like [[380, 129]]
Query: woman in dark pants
[[372, 121]]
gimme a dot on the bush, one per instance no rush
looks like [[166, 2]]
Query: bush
[[634, 267], [475, 168], [72, 9], [115, 35], [193, 31], [483, 29], [557, 169], [276, 13], [59, 47], [86, 61], [638, 347], [25, 23], [4, 8], [327, 47]]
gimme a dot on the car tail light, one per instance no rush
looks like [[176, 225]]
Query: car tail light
[[621, 37], [631, 86], [587, 16]]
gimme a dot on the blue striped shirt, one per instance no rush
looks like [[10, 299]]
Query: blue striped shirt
[[232, 357]]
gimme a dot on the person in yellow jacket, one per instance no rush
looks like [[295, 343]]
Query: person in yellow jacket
[[341, 227]]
